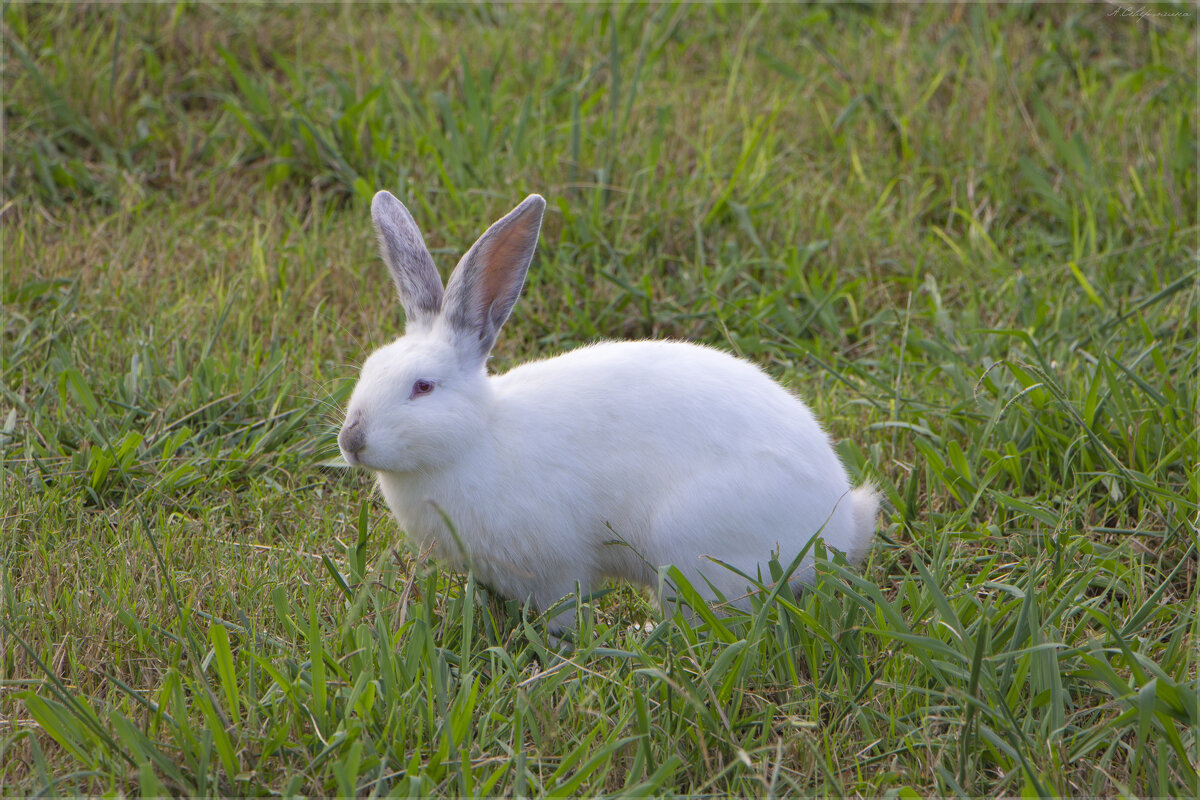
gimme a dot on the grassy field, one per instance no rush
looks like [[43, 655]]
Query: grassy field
[[966, 235]]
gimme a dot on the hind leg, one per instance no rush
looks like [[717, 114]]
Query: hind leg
[[716, 522]]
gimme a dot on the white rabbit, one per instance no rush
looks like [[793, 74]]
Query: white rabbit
[[605, 462]]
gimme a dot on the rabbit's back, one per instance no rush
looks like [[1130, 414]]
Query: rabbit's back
[[671, 405]]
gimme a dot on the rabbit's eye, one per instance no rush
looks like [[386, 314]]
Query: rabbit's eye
[[421, 387]]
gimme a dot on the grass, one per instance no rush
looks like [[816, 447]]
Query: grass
[[966, 235]]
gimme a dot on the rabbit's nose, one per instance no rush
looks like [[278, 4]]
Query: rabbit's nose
[[351, 438]]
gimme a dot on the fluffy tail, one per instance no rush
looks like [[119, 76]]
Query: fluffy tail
[[864, 506]]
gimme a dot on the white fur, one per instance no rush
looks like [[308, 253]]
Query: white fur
[[684, 453]]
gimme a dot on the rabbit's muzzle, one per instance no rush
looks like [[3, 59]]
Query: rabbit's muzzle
[[352, 439]]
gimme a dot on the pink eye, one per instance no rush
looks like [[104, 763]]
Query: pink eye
[[421, 387]]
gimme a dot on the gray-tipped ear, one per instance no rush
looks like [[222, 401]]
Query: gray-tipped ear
[[486, 283], [403, 250]]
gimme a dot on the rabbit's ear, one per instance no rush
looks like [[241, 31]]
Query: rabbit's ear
[[408, 259], [485, 284]]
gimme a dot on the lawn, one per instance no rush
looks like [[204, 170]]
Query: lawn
[[966, 235]]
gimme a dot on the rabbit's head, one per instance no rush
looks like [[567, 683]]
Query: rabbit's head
[[422, 401]]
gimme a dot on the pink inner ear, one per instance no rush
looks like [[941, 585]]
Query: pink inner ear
[[503, 257]]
